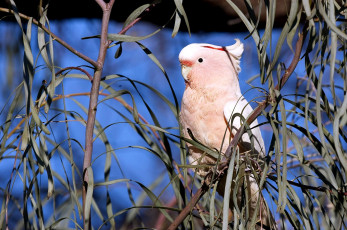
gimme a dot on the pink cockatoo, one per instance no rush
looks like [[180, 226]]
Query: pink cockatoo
[[212, 95]]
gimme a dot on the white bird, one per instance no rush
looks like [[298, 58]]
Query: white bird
[[211, 97]]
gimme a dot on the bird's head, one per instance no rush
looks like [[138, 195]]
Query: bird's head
[[204, 64]]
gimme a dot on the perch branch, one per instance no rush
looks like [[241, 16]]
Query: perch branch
[[256, 112]]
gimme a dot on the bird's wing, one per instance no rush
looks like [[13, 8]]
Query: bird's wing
[[242, 108], [233, 110]]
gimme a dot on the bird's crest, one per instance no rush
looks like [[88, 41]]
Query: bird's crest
[[235, 51]]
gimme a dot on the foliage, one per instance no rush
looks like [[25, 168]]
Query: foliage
[[303, 175]]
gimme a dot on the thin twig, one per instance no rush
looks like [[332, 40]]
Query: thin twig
[[55, 37], [76, 68], [104, 43], [223, 167], [124, 103], [309, 187], [9, 182], [131, 24]]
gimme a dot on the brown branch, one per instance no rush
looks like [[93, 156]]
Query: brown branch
[[62, 42], [124, 103], [55, 37], [160, 223], [94, 94], [195, 199], [76, 68], [223, 167], [102, 4], [131, 24], [93, 102], [161, 219], [123, 31]]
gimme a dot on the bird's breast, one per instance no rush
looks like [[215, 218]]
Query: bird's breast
[[203, 114]]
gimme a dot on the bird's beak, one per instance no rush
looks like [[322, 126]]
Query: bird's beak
[[185, 72]]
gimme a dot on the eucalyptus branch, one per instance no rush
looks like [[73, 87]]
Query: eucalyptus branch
[[76, 68], [104, 43], [223, 167], [102, 4], [55, 37], [124, 103], [94, 94], [131, 24]]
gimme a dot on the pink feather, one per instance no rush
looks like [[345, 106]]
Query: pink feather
[[211, 96]]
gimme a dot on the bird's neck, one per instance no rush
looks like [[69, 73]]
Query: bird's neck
[[219, 92], [226, 88]]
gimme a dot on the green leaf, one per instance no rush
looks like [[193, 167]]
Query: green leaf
[[329, 22], [89, 195], [227, 189], [119, 51], [128, 38], [135, 14], [293, 30], [289, 24], [9, 119], [180, 13]]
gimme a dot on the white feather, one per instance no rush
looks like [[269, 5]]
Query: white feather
[[236, 51], [242, 107]]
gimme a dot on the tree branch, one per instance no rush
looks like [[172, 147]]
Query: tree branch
[[223, 167], [76, 68], [93, 102], [131, 24], [94, 94], [104, 44], [101, 3], [55, 37], [195, 199]]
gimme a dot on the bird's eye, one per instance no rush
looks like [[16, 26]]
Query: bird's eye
[[200, 60]]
